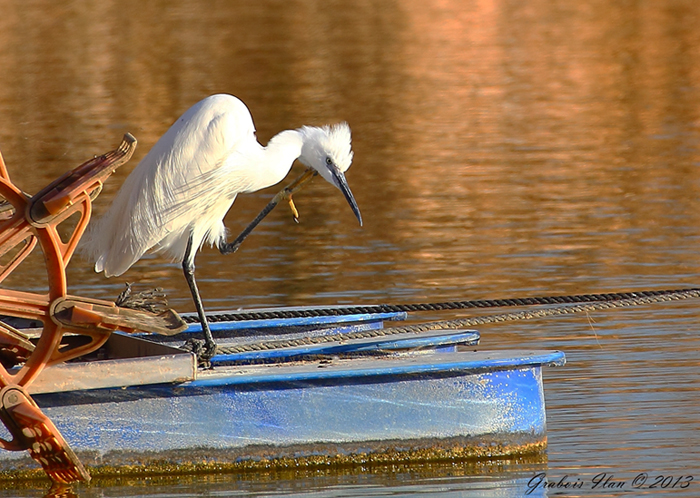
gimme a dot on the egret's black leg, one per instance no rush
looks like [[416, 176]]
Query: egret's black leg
[[231, 247], [188, 270], [285, 193], [228, 248]]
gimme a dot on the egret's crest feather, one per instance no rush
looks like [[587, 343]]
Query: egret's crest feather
[[333, 141]]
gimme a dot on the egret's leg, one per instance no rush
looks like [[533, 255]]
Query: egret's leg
[[188, 270], [285, 193]]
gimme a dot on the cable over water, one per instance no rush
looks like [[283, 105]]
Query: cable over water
[[570, 304], [687, 293]]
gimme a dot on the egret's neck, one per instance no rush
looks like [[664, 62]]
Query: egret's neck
[[279, 155]]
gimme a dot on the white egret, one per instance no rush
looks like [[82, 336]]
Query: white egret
[[176, 198]]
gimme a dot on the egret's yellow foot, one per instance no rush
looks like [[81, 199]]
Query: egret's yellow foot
[[295, 213]]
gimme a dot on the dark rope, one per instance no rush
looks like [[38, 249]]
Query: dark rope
[[638, 299], [449, 305]]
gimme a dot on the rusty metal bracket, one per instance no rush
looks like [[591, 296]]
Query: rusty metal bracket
[[15, 347], [33, 431], [26, 222]]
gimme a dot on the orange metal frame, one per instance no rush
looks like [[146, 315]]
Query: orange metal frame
[[35, 220], [26, 222]]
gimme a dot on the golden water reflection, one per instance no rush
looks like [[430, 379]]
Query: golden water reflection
[[490, 136], [501, 148]]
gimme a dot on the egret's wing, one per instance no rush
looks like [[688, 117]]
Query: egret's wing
[[202, 204], [186, 168]]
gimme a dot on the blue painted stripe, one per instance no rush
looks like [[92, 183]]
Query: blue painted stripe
[[468, 337], [457, 363], [293, 322], [369, 345]]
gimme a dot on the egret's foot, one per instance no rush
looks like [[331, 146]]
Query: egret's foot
[[229, 248], [203, 351], [209, 350], [295, 212]]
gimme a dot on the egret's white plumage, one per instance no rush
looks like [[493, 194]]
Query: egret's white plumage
[[188, 181], [177, 196]]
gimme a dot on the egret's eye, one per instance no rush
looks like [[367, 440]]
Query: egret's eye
[[329, 161]]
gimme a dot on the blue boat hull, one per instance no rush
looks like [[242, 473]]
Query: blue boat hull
[[424, 403]]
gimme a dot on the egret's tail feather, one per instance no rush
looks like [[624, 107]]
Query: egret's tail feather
[[103, 246]]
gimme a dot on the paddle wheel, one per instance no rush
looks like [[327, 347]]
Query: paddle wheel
[[71, 326]]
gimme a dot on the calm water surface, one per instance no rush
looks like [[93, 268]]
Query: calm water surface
[[502, 148]]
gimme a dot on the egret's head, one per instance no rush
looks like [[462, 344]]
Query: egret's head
[[327, 150]]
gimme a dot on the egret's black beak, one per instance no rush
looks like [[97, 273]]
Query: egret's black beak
[[342, 184]]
